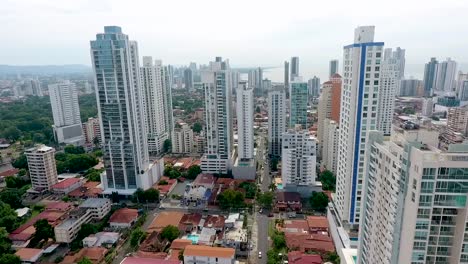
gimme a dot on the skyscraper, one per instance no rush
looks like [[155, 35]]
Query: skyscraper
[[429, 76], [328, 108], [329, 145], [154, 88], [182, 139], [294, 68], [188, 79], [256, 81], [286, 75], [389, 85], [298, 104], [314, 87], [245, 124], [92, 131], [409, 87], [445, 76], [66, 113], [42, 167], [121, 112], [333, 68], [358, 115], [216, 83], [276, 119]]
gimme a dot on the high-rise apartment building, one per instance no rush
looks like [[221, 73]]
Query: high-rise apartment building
[[256, 81], [314, 87], [328, 108], [409, 87], [358, 114], [188, 79], [294, 68], [427, 108], [330, 144], [429, 76], [445, 76], [333, 68], [92, 131], [462, 86], [276, 120], [66, 113], [298, 104], [414, 210], [298, 163], [155, 87], [457, 119], [245, 124], [121, 112], [286, 76], [216, 83], [42, 167], [182, 140], [389, 84]]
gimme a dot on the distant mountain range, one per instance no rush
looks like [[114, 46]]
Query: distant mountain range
[[44, 69]]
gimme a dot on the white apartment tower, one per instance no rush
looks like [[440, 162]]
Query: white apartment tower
[[445, 76], [294, 68], [330, 145], [245, 114], [216, 83], [276, 120], [389, 85], [92, 130], [415, 209], [299, 158], [42, 167], [182, 140], [358, 114], [121, 112], [66, 113], [155, 88]]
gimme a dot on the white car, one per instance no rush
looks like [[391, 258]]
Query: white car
[[259, 254]]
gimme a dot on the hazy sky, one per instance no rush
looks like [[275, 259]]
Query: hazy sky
[[248, 32]]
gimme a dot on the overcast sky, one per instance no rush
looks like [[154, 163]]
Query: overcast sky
[[248, 32]]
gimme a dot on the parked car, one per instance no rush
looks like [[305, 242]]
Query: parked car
[[270, 215]]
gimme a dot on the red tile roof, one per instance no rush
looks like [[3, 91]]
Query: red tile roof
[[89, 189], [164, 189], [9, 172], [28, 254], [180, 243], [297, 257], [305, 242], [25, 231], [137, 260], [317, 222], [299, 225], [207, 251], [66, 183], [214, 221], [124, 216], [204, 178], [59, 206], [189, 220]]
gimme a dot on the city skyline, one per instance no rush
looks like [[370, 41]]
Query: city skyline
[[276, 38]]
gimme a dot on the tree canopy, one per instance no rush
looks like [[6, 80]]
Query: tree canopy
[[328, 180], [231, 199], [8, 217], [319, 201], [265, 199], [197, 127], [170, 233], [193, 172], [151, 195]]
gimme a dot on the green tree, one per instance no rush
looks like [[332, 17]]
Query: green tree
[[44, 231], [265, 199], [250, 189], [115, 197], [167, 145], [332, 257], [71, 149], [12, 133], [85, 260], [5, 242], [279, 241], [328, 180], [193, 171], [181, 255], [197, 127], [170, 233], [231, 199], [136, 237], [15, 182], [21, 162], [319, 201], [10, 259], [12, 197], [8, 217], [151, 195], [274, 164]]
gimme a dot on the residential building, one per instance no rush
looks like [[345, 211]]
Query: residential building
[[266, 83], [123, 218], [42, 167], [409, 87], [462, 89], [294, 68], [68, 185], [418, 215], [298, 166], [92, 131], [188, 79], [286, 76], [218, 118], [182, 139], [105, 239], [155, 87], [333, 68], [427, 107], [298, 104], [121, 112], [389, 85], [138, 260], [430, 76], [245, 114], [288, 201], [445, 76], [457, 119], [66, 113], [276, 120], [314, 87], [330, 145], [209, 255], [328, 108], [256, 81], [358, 115], [29, 255]]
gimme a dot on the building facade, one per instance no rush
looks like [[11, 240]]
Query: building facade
[[276, 120], [358, 115], [92, 131], [314, 87], [66, 113], [330, 145], [182, 140], [245, 124], [42, 167], [457, 119], [121, 112], [298, 104], [217, 158], [429, 76], [410, 87], [444, 81], [294, 68], [333, 68]]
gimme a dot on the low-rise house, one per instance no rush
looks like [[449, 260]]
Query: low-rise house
[[29, 255], [66, 186], [231, 220], [308, 242], [89, 189], [154, 244], [235, 237], [137, 260], [94, 254], [288, 201], [295, 226], [317, 224], [104, 239], [215, 221], [207, 236], [165, 189], [296, 257], [164, 219], [99, 207], [205, 180], [190, 222], [123, 218], [208, 255], [177, 246]]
